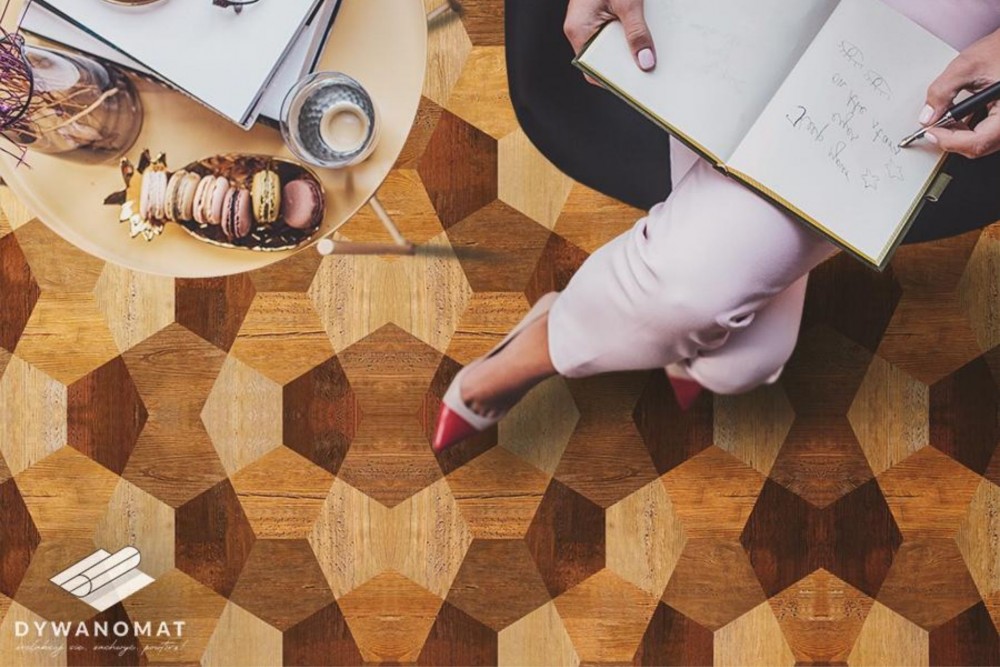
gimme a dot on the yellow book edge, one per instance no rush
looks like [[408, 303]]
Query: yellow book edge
[[879, 263]]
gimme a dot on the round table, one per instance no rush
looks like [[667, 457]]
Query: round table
[[382, 43]]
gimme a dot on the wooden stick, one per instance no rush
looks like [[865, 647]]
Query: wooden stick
[[330, 247]]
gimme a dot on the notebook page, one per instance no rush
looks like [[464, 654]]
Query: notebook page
[[828, 141], [718, 63], [219, 57]]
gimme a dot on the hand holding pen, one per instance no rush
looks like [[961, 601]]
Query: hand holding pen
[[977, 70]]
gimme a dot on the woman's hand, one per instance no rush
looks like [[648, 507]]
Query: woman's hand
[[585, 17], [976, 68]]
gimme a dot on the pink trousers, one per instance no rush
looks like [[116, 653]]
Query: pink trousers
[[711, 283]]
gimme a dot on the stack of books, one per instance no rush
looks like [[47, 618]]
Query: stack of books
[[239, 64]]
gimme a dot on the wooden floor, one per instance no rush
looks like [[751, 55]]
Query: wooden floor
[[263, 440]]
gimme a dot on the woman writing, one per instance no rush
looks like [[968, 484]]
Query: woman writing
[[711, 283]]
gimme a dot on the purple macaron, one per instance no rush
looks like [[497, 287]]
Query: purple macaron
[[237, 213], [302, 204]]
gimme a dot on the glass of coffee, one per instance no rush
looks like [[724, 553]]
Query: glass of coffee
[[329, 120]]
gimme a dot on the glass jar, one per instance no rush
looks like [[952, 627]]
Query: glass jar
[[80, 109]]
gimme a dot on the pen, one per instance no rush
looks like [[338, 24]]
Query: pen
[[966, 107]]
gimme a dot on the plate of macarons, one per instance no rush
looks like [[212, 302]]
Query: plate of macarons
[[245, 202]]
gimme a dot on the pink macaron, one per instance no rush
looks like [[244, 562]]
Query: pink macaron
[[302, 204], [237, 214], [214, 207], [202, 193]]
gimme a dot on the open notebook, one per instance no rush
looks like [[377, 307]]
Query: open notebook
[[223, 59], [804, 101]]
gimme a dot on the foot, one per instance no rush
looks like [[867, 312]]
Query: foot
[[493, 386]]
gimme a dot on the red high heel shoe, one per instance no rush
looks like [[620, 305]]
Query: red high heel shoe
[[457, 421], [686, 390]]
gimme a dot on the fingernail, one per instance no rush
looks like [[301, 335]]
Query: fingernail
[[926, 114], [646, 59], [931, 138]]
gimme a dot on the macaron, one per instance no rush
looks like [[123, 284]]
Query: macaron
[[202, 193], [180, 195], [237, 214], [302, 204], [265, 191], [215, 203], [153, 194]]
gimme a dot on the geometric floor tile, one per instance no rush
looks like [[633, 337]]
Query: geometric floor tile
[[175, 595], [889, 415], [979, 538], [348, 536], [980, 277], [498, 494], [282, 337], [135, 305], [32, 415], [755, 638], [214, 308], [456, 638], [968, 639], [459, 169], [390, 458], [282, 494], [19, 538], [480, 95], [174, 372], [512, 238], [672, 435], [538, 638], [214, 538], [498, 583], [105, 415], [606, 458], [322, 639], [706, 599], [566, 538], [135, 518], [590, 219], [673, 639], [713, 494], [965, 415], [242, 415], [887, 638], [928, 583], [855, 539], [606, 617], [320, 415], [929, 494], [821, 617], [529, 182], [66, 337], [18, 292], [645, 538], [67, 494], [539, 427], [241, 638], [390, 617], [752, 427], [281, 583]]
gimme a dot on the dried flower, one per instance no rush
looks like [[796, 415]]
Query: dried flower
[[17, 86]]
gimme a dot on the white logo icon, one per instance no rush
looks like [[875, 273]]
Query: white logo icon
[[103, 579]]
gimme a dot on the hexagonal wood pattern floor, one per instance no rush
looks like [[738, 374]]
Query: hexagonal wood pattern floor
[[263, 440]]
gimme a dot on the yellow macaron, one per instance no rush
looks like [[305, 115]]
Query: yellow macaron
[[266, 194]]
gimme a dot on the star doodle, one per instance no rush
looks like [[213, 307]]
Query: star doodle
[[894, 170], [870, 179]]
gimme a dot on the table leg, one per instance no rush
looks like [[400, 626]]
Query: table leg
[[400, 245]]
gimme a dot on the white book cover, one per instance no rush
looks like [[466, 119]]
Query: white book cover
[[300, 60], [224, 59]]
